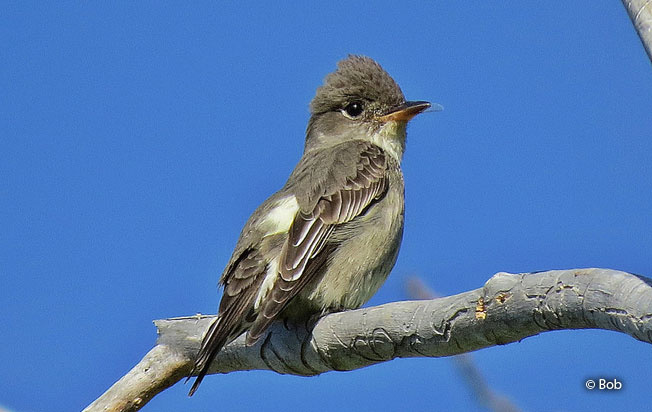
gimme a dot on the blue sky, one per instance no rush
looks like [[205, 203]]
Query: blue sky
[[138, 137]]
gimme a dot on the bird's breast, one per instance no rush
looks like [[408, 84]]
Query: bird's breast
[[365, 250]]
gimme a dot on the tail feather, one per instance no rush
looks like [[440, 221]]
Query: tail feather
[[214, 340]]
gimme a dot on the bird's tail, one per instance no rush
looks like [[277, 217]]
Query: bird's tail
[[214, 340]]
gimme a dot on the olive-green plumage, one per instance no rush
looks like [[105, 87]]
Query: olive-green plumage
[[328, 239]]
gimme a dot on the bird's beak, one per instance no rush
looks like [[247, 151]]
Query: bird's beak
[[406, 111]]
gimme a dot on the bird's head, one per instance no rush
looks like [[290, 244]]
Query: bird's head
[[360, 101]]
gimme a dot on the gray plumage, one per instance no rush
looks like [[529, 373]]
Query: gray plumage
[[328, 239]]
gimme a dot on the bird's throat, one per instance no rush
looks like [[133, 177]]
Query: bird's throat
[[391, 138]]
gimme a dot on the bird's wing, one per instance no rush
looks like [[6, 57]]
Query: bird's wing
[[330, 190]]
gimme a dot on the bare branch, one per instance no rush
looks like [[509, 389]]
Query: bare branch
[[507, 309], [478, 385], [640, 12], [161, 368]]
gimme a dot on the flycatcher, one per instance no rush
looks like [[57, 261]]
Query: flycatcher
[[328, 239]]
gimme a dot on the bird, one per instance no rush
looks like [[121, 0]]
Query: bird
[[327, 240]]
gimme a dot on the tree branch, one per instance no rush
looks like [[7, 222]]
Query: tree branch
[[464, 363], [640, 13], [507, 309]]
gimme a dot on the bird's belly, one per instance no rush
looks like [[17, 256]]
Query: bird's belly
[[364, 256]]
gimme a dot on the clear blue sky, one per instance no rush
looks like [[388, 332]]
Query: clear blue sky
[[136, 139]]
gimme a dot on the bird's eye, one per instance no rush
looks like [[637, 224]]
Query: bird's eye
[[353, 109]]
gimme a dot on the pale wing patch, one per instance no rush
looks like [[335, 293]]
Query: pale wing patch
[[268, 282], [280, 218]]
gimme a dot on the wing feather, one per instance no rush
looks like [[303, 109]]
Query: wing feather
[[303, 252]]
